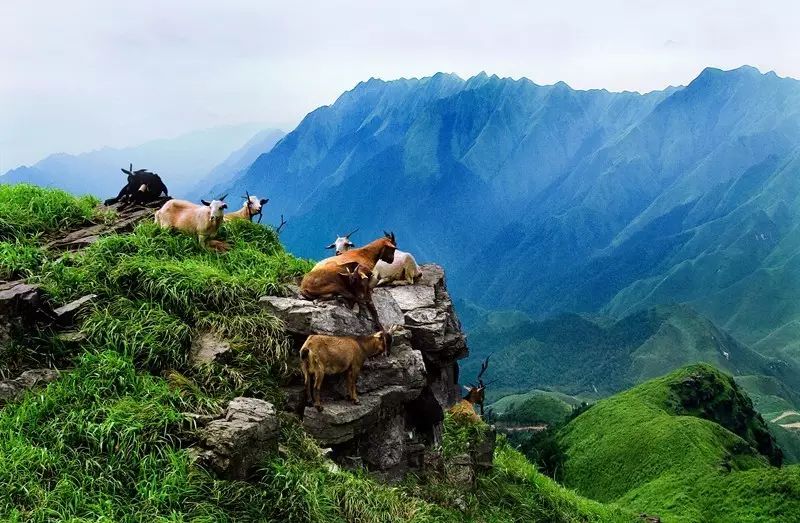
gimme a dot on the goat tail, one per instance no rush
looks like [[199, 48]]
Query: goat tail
[[304, 353]]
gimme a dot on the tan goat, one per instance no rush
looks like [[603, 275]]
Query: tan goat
[[201, 220], [252, 207], [323, 355]]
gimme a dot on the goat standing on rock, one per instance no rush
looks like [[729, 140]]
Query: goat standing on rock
[[323, 355], [202, 220]]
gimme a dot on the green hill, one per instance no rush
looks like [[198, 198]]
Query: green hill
[[596, 356], [536, 406], [688, 447], [109, 440]]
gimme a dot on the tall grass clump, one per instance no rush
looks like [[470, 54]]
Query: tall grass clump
[[29, 211], [19, 259]]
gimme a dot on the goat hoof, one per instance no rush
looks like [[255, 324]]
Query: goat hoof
[[356, 402]]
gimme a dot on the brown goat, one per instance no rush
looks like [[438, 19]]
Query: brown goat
[[349, 281], [475, 396], [333, 277], [366, 256], [324, 355]]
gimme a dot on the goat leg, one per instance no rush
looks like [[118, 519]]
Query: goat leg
[[351, 387], [317, 388], [374, 313]]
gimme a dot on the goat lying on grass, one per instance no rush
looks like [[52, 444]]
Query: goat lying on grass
[[202, 220], [252, 207], [323, 355]]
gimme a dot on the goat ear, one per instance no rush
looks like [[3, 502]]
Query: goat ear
[[264, 201], [205, 202], [331, 246]]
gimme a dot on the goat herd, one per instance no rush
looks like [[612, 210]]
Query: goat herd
[[350, 275]]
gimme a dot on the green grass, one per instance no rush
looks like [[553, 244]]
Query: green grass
[[663, 447], [539, 406], [29, 211], [109, 440], [19, 260]]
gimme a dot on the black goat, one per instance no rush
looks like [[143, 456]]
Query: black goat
[[142, 187]]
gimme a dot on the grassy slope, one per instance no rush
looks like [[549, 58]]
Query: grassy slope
[[584, 356], [576, 354], [645, 449], [537, 406], [107, 442]]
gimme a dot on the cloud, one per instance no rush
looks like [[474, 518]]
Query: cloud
[[79, 75]]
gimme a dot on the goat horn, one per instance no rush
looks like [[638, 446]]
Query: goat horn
[[222, 198], [484, 366], [351, 232]]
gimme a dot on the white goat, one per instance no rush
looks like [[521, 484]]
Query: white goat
[[202, 220], [403, 270], [343, 243], [251, 207]]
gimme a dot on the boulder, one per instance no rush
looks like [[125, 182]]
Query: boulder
[[207, 348], [13, 389], [460, 472], [67, 313], [384, 447], [482, 452], [22, 305], [239, 441], [424, 308]]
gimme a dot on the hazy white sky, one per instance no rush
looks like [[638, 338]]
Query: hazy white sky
[[80, 74]]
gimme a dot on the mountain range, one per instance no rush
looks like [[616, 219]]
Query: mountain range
[[586, 210], [548, 199], [182, 161]]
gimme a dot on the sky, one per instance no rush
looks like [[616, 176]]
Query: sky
[[83, 74]]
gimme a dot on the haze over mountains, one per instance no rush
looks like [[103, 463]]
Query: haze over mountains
[[548, 199], [182, 160]]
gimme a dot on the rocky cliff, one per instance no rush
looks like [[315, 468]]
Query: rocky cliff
[[386, 433]]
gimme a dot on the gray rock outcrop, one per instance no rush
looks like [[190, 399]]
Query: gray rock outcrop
[[425, 353], [241, 439], [14, 388], [208, 347], [127, 216]]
